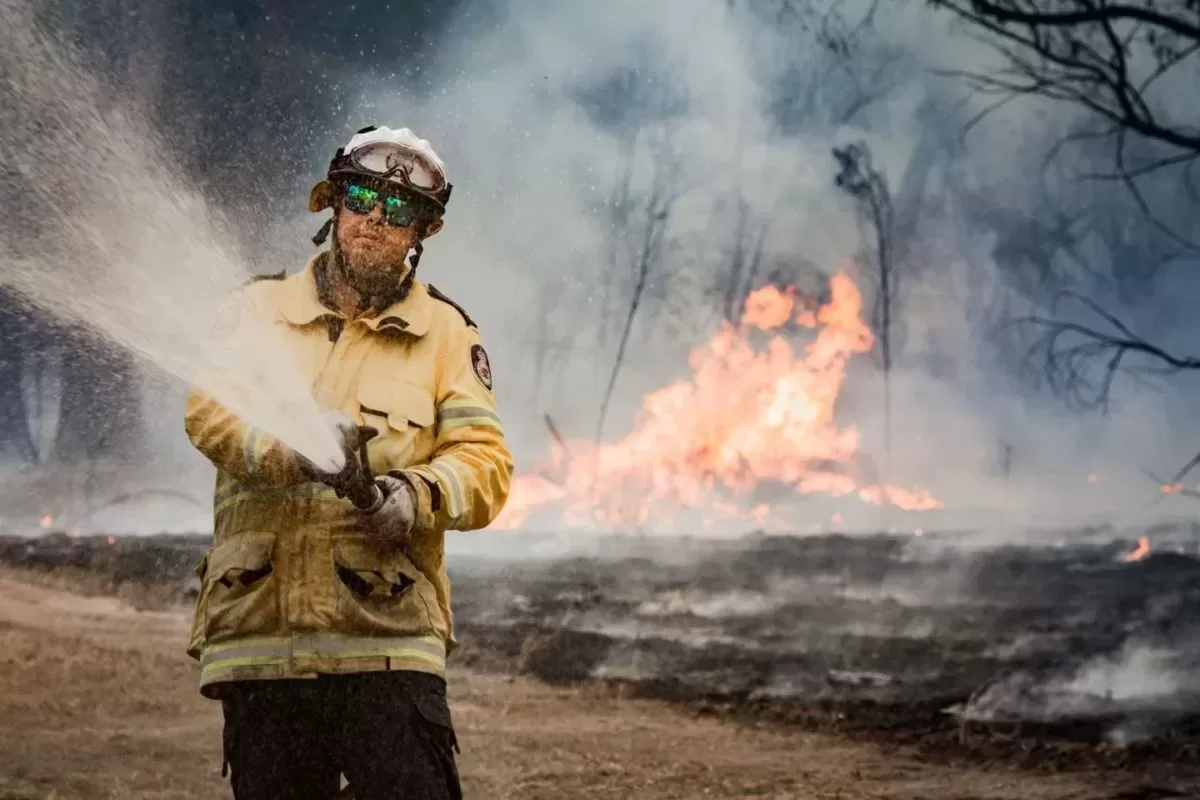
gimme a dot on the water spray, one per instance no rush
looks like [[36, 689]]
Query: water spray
[[142, 263]]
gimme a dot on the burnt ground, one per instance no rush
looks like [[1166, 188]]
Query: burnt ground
[[1043, 659], [1051, 658]]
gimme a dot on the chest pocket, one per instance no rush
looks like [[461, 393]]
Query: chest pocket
[[404, 415]]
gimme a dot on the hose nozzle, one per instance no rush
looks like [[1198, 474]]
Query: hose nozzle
[[362, 490], [355, 481]]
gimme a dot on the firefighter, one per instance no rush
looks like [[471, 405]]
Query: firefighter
[[321, 627]]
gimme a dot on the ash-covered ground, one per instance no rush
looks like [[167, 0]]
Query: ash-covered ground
[[1067, 640], [905, 636]]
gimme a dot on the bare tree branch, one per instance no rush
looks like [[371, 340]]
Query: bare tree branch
[[1140, 199], [1009, 11], [1073, 350], [664, 193], [1072, 50]]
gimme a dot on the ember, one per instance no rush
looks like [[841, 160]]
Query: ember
[[1141, 551], [750, 416]]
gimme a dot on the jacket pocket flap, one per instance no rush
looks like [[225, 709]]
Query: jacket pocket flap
[[402, 402], [369, 569], [367, 556], [245, 553]]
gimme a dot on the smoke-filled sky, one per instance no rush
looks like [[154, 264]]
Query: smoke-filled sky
[[726, 114]]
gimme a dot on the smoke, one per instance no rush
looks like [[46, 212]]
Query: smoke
[[553, 120], [542, 113], [1138, 679]]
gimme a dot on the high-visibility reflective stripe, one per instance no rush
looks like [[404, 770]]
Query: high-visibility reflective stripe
[[452, 488], [462, 401], [314, 491], [245, 661], [332, 645], [455, 416], [225, 505], [227, 487], [252, 449], [247, 650], [324, 645], [248, 641]]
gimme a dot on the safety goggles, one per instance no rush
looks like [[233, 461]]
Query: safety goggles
[[398, 210], [395, 162]]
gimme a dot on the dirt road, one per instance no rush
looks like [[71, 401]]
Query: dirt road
[[97, 701]]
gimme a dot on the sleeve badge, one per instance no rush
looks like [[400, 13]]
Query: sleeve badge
[[480, 366]]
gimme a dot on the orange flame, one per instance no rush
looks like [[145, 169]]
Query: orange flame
[[46, 522], [749, 418], [1172, 488], [1138, 553]]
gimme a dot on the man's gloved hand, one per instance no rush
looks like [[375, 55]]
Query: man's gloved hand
[[350, 436], [395, 517]]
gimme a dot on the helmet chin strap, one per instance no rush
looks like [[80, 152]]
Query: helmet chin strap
[[323, 234], [406, 285]]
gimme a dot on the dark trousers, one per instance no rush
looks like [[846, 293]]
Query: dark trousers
[[389, 733]]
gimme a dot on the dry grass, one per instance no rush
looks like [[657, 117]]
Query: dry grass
[[98, 702], [139, 595]]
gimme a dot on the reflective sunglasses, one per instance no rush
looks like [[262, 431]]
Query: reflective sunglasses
[[399, 211]]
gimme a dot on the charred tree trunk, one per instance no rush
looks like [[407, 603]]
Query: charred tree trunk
[[868, 187]]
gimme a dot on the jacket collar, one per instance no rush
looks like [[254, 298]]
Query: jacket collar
[[300, 304]]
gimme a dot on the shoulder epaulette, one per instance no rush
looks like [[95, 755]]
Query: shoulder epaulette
[[434, 293], [272, 276]]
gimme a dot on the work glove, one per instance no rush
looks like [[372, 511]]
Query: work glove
[[351, 478], [396, 515]]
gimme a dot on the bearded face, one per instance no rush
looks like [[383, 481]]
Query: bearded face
[[373, 250]]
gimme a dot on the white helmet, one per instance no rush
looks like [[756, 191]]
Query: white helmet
[[391, 156]]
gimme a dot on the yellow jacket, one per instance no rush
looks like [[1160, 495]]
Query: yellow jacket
[[292, 586]]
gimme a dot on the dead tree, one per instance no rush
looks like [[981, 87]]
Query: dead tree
[[839, 68], [654, 216], [859, 179], [1106, 57]]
